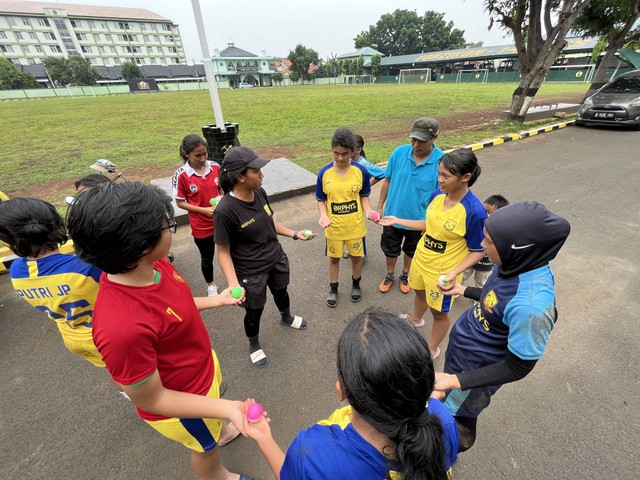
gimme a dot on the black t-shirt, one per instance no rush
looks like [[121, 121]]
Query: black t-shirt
[[249, 229]]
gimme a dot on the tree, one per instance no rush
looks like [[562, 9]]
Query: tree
[[57, 70], [82, 72], [10, 76], [375, 65], [130, 70], [301, 58], [359, 66], [536, 54], [74, 70], [404, 32], [277, 77], [613, 21]]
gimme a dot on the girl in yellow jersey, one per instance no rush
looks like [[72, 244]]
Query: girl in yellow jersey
[[450, 243]]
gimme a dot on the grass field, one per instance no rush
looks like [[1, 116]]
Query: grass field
[[50, 142]]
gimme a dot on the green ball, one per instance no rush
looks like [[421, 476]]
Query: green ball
[[236, 292]]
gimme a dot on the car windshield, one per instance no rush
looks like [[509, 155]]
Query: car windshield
[[623, 85]]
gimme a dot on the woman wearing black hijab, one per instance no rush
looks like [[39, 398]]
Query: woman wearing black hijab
[[500, 339]]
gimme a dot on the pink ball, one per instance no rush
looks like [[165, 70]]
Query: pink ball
[[255, 412], [375, 216]]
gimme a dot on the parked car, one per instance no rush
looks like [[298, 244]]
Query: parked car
[[617, 103], [245, 85]]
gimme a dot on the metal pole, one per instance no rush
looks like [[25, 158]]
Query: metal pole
[[208, 67]]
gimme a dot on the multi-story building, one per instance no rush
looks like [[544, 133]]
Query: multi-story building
[[234, 65], [107, 36]]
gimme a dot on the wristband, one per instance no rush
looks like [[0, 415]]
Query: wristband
[[295, 235]]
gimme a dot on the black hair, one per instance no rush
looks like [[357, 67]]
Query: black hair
[[386, 373], [190, 143], [462, 161], [229, 178], [497, 201], [91, 180], [113, 226], [343, 137], [360, 143], [31, 226]]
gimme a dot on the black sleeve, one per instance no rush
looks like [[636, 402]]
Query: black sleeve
[[473, 293], [511, 369]]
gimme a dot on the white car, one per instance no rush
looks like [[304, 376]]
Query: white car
[[245, 85]]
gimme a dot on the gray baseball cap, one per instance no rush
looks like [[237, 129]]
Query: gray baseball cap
[[424, 129], [240, 157]]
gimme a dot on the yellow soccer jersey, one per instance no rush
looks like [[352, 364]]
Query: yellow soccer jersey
[[450, 235], [342, 195]]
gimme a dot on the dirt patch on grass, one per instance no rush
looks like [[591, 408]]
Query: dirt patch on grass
[[477, 120]]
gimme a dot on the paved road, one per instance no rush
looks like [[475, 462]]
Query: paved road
[[575, 417]]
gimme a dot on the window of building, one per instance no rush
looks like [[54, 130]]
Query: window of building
[[92, 24], [49, 35], [39, 49], [26, 49], [166, 28], [11, 21], [113, 50], [140, 61], [168, 38], [143, 27], [124, 25], [25, 21], [154, 27], [149, 49], [43, 22], [176, 60], [55, 48], [15, 61], [116, 61], [81, 36], [86, 49], [156, 38], [107, 37], [76, 23], [33, 61], [33, 36], [103, 25], [96, 36], [94, 61], [101, 49], [18, 35], [172, 49], [3, 34], [6, 48], [152, 61]]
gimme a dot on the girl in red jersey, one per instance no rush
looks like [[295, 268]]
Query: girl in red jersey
[[194, 185]]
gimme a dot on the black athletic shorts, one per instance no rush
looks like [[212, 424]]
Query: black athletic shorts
[[255, 287], [394, 240]]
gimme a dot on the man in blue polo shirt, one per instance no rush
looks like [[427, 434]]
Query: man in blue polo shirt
[[411, 176]]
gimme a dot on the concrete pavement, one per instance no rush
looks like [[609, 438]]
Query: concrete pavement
[[575, 417]]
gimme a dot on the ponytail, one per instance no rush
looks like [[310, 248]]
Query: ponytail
[[229, 178], [419, 448]]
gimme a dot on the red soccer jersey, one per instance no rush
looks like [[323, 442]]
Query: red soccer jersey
[[197, 190], [140, 329]]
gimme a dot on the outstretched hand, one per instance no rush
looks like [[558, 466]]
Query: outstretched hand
[[388, 220], [302, 237], [226, 298], [259, 430]]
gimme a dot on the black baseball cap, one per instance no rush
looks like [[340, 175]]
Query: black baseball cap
[[424, 129], [240, 157]]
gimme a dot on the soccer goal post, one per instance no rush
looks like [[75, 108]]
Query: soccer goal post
[[415, 75], [571, 73], [479, 75], [350, 79]]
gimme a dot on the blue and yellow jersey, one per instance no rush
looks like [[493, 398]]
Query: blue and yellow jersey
[[342, 195], [450, 235], [334, 449], [63, 287]]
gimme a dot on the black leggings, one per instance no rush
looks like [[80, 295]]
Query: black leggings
[[252, 315], [207, 248]]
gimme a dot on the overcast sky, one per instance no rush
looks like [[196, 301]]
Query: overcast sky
[[277, 26]]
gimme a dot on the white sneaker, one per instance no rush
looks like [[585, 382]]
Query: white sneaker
[[212, 290]]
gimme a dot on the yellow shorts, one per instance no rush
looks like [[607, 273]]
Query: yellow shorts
[[356, 248], [199, 434], [422, 280], [79, 341]]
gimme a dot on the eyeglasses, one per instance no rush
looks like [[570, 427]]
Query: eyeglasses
[[172, 227]]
